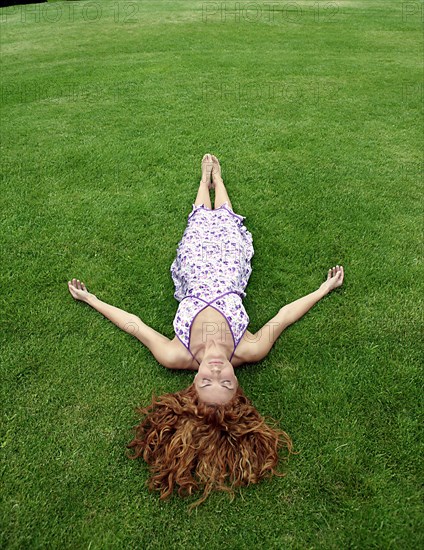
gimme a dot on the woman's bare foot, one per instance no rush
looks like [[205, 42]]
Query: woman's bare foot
[[216, 171], [207, 170]]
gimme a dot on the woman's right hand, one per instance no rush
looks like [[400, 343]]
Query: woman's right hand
[[78, 290]]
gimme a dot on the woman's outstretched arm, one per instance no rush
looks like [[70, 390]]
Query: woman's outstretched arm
[[264, 339], [160, 346]]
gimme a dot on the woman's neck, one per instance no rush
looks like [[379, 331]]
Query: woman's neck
[[216, 347]]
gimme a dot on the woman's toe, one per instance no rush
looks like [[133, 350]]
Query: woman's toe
[[215, 165]]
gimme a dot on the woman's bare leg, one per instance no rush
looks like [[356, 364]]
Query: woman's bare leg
[[203, 196], [221, 194]]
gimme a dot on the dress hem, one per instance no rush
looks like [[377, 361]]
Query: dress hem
[[224, 205]]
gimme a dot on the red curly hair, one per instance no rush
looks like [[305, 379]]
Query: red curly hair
[[195, 446]]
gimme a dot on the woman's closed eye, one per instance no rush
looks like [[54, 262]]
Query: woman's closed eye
[[225, 383]]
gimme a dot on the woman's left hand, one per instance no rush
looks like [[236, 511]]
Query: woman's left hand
[[78, 290], [334, 278]]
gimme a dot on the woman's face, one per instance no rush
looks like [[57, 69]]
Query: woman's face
[[215, 380]]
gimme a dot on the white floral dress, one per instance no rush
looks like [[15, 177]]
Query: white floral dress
[[212, 268]]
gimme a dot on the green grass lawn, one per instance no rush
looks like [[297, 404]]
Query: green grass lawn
[[315, 111]]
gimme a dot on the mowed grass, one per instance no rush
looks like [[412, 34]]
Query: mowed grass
[[316, 113]]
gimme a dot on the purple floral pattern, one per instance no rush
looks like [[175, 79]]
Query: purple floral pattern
[[212, 267]]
